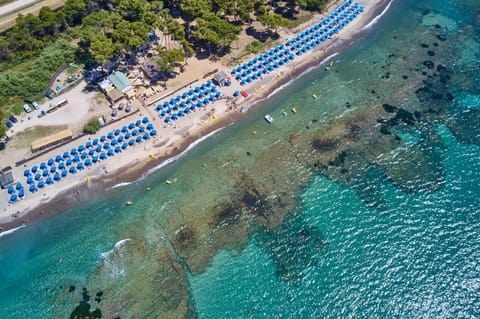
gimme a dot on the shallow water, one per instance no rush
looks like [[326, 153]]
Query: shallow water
[[362, 204]]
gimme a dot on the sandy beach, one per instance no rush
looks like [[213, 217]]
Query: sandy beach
[[170, 141]]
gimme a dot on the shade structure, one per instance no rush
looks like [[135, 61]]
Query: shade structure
[[124, 145], [32, 188], [49, 181], [34, 169], [43, 165], [41, 184], [57, 177], [11, 190], [118, 149], [29, 180], [103, 155], [26, 172], [153, 132], [145, 120], [45, 172], [131, 142], [21, 193], [139, 139], [72, 170], [64, 173]]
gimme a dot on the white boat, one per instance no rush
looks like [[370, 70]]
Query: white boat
[[268, 118]]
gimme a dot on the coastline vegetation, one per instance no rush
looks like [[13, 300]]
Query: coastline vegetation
[[92, 33]]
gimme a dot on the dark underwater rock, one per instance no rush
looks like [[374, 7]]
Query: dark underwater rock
[[429, 64]]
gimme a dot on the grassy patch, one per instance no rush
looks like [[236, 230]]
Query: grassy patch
[[25, 138], [17, 108], [299, 20], [254, 47]]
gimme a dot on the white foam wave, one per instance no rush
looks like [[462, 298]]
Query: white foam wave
[[120, 185], [182, 154], [375, 20], [112, 259], [106, 256], [7, 232]]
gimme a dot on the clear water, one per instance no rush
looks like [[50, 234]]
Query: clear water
[[389, 231]]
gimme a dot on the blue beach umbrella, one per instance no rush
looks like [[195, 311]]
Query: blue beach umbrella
[[146, 136], [98, 149], [49, 180], [149, 127], [53, 169], [131, 126], [45, 172], [117, 131], [29, 180], [88, 144], [110, 152], [114, 142], [43, 165], [26, 172], [153, 132], [80, 166], [11, 190], [50, 161], [91, 152], [118, 149], [81, 148], [21, 193], [58, 158], [18, 186], [68, 162], [76, 158], [38, 176], [103, 155], [84, 155], [95, 141], [41, 184], [120, 139], [127, 136], [139, 139], [57, 177], [134, 132], [131, 142], [138, 122], [64, 173], [95, 158], [72, 170], [141, 129], [106, 146], [13, 198], [110, 135], [32, 188], [124, 129], [73, 151], [145, 119], [103, 138], [124, 145], [34, 169]]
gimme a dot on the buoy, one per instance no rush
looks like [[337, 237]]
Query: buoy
[[168, 182], [315, 97], [148, 189], [128, 202], [294, 109]]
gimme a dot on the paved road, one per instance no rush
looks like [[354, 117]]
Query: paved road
[[16, 6]]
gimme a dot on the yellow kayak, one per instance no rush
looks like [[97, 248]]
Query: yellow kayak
[[168, 182], [294, 109], [256, 90], [315, 97]]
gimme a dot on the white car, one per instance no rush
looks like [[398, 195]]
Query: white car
[[35, 105], [27, 108]]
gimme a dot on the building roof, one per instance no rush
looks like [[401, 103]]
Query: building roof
[[104, 84], [114, 94], [51, 139], [220, 77], [120, 81]]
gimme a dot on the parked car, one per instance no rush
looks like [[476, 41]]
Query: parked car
[[128, 108], [9, 124], [35, 105], [27, 108], [13, 119], [114, 113], [42, 113], [49, 95]]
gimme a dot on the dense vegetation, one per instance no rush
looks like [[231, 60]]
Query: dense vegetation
[[92, 126], [95, 32]]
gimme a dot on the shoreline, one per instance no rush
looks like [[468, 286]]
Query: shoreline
[[79, 192]]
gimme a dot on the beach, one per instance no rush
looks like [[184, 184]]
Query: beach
[[134, 162]]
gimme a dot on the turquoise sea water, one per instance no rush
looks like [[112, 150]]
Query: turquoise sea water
[[389, 229]]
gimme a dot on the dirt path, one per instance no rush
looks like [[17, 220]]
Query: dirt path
[[9, 12]]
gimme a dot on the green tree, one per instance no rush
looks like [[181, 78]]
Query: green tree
[[101, 48], [215, 31], [92, 126], [272, 21]]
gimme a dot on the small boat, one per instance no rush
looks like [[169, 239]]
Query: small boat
[[168, 182], [329, 66], [268, 118], [294, 109], [315, 96], [129, 203]]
